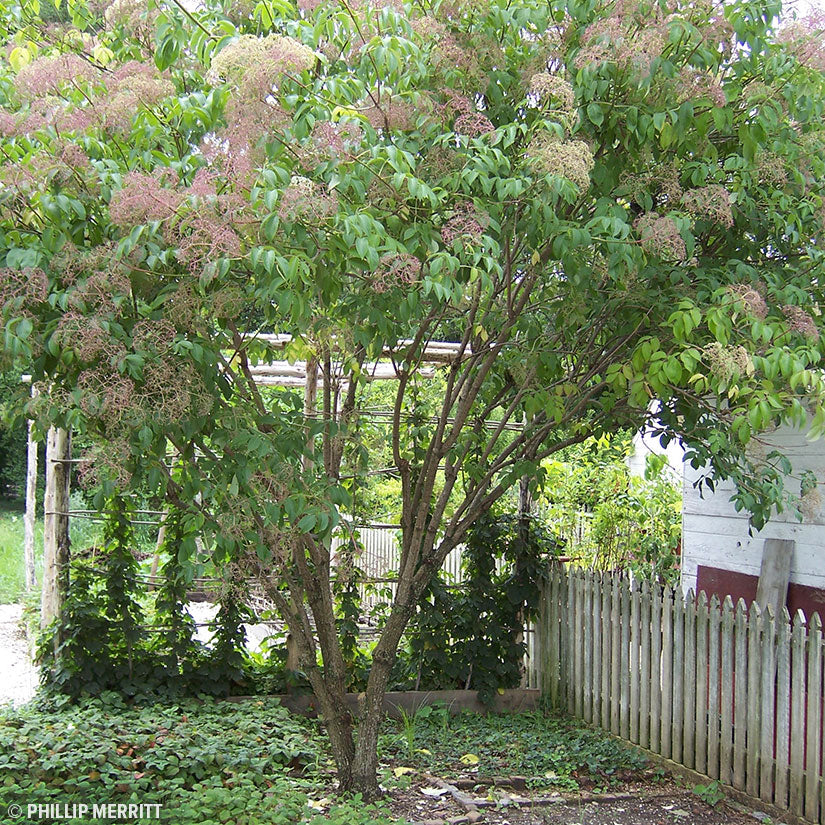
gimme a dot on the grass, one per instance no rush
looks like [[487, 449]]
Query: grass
[[252, 763], [12, 576], [12, 572]]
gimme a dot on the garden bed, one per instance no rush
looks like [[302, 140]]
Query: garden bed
[[253, 763]]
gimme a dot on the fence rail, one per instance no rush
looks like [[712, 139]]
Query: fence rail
[[727, 690]]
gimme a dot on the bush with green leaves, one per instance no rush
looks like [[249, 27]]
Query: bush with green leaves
[[471, 635], [610, 518]]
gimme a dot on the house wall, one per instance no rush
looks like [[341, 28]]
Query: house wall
[[718, 554]]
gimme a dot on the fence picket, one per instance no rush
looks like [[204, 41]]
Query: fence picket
[[606, 652], [726, 694], [587, 653], [644, 667], [740, 695], [783, 707], [754, 696], [813, 727], [578, 652], [657, 598], [767, 699], [798, 639], [615, 655], [635, 658], [678, 675], [668, 608], [624, 721], [570, 645], [701, 676], [714, 626], [596, 620]]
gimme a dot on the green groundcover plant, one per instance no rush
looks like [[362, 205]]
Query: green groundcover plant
[[205, 761], [599, 204]]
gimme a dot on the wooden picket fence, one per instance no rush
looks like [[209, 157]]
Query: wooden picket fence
[[727, 690]]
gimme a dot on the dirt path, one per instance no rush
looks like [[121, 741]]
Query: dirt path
[[18, 677]]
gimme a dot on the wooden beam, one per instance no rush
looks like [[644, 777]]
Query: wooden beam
[[772, 590], [435, 352]]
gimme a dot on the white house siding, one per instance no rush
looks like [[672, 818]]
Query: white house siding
[[714, 535]]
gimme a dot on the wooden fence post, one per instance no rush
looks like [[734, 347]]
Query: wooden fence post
[[56, 526]]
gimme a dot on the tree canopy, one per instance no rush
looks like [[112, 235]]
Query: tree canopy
[[602, 204]]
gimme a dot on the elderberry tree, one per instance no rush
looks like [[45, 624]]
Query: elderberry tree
[[602, 205]]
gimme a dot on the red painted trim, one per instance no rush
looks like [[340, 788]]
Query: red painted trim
[[719, 582]]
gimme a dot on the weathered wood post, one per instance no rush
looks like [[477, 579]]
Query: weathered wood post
[[31, 501], [56, 526]]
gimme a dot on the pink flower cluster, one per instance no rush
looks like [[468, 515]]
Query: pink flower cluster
[[618, 39], [800, 321], [466, 223], [133, 86], [804, 40], [660, 236], [711, 203], [102, 289], [143, 198], [50, 75], [391, 114], [255, 65], [696, 84], [330, 141], [399, 269], [305, 200]]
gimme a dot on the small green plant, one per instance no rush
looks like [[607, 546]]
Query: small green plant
[[711, 794]]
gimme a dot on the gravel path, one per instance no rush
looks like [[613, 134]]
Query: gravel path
[[18, 676]]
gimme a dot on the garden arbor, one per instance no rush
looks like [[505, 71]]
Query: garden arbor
[[597, 204]]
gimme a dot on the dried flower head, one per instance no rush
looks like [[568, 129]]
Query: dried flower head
[[660, 236], [397, 269], [550, 88], [750, 299], [572, 160], [697, 84], [619, 39], [473, 124], [23, 287], [711, 203], [727, 363], [800, 321], [810, 505], [391, 114], [135, 17], [330, 141], [465, 224]]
